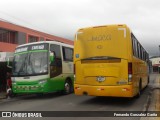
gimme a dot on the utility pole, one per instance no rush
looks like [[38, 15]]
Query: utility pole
[[159, 50]]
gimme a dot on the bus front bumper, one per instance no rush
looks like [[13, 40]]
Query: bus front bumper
[[113, 91]]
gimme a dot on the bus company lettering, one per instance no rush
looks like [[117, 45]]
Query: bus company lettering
[[37, 47], [21, 49], [101, 37]]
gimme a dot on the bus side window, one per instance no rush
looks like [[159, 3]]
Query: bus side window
[[67, 54], [52, 58], [56, 64]]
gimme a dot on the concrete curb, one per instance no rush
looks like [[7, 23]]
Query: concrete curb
[[153, 101], [2, 95], [155, 104]]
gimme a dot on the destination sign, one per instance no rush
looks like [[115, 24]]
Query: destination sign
[[32, 47], [21, 49], [38, 47]]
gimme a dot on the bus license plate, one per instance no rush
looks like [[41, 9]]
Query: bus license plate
[[100, 78]]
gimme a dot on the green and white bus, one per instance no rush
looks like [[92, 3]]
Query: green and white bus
[[42, 67]]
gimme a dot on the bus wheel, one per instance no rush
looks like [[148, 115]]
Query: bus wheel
[[139, 90], [67, 87]]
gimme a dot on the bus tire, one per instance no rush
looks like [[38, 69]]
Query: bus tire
[[139, 90], [67, 87]]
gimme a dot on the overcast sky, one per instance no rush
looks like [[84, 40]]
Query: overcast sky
[[64, 17]]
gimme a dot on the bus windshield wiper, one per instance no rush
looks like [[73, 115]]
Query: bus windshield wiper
[[22, 66], [30, 63]]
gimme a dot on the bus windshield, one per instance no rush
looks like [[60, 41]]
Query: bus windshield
[[30, 63]]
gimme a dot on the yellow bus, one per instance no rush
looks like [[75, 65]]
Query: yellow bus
[[109, 61]]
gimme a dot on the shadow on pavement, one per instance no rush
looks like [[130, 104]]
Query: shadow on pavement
[[115, 101], [41, 96]]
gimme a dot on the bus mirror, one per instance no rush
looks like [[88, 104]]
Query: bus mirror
[[52, 56]]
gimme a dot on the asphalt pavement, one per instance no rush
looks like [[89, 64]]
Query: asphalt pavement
[[71, 102]]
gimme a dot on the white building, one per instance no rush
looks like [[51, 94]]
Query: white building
[[155, 64]]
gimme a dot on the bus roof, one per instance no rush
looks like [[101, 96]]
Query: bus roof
[[113, 25], [51, 42]]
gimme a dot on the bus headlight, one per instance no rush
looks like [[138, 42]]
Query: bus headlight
[[14, 82], [42, 81]]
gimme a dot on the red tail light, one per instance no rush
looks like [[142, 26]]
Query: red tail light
[[129, 72], [129, 68]]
